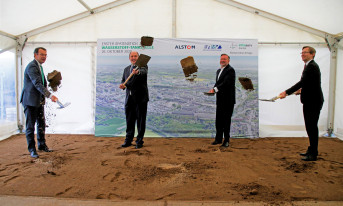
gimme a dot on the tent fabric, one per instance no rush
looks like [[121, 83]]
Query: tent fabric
[[16, 18], [72, 48], [194, 19], [324, 15]]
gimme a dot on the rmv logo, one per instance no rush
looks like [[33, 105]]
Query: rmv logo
[[185, 47], [212, 47]]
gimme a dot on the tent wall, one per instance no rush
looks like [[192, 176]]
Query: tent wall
[[77, 65], [6, 42], [71, 50], [8, 103]]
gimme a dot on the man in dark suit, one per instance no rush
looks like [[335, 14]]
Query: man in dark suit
[[136, 101], [33, 99], [311, 96], [226, 99]]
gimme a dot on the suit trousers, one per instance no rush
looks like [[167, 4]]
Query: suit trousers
[[135, 112], [35, 115], [311, 116], [223, 121]]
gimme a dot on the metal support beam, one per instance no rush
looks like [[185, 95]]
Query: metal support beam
[[86, 6], [173, 18], [273, 17], [19, 79], [332, 44], [8, 35], [75, 18]]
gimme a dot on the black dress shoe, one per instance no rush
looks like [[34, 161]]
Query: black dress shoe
[[309, 158], [215, 142], [126, 144], [225, 144], [304, 154], [139, 146], [34, 154], [45, 149]]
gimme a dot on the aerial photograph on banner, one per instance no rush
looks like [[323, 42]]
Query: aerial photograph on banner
[[178, 106]]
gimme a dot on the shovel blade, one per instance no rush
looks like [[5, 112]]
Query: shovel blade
[[61, 106]]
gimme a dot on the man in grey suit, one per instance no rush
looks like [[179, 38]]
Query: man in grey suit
[[311, 96], [226, 99], [136, 101], [33, 99]]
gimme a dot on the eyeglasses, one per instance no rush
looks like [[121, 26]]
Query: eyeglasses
[[304, 52], [43, 55]]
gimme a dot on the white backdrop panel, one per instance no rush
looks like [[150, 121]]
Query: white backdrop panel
[[280, 67], [75, 64]]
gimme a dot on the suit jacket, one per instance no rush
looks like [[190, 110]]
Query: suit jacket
[[310, 84], [137, 86], [34, 92], [226, 86]]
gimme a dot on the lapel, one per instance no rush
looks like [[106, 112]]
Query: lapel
[[218, 71], [40, 72], [223, 72], [127, 71]]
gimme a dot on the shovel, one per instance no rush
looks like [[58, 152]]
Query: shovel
[[142, 61], [273, 99], [61, 106], [270, 100]]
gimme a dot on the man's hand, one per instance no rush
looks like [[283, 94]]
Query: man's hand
[[282, 95], [122, 86], [54, 98], [135, 71]]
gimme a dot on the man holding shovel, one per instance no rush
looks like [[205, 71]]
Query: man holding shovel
[[311, 97], [226, 100], [33, 99], [136, 101]]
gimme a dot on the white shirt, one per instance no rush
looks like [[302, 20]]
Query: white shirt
[[221, 70]]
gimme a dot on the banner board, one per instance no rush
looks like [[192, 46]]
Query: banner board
[[177, 106]]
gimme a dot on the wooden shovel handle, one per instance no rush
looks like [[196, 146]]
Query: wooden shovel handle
[[128, 78]]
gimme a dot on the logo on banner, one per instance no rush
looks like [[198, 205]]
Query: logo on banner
[[213, 47], [185, 47]]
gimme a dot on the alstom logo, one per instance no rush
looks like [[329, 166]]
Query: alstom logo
[[185, 47]]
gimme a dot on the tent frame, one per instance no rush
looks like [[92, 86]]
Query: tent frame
[[332, 42]]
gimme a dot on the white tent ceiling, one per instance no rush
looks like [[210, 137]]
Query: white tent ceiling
[[19, 17]]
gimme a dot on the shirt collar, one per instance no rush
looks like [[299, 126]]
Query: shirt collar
[[38, 63], [306, 63]]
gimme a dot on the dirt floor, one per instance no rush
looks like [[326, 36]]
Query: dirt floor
[[185, 169]]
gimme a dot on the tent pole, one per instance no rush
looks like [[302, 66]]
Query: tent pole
[[19, 79], [173, 18], [332, 43]]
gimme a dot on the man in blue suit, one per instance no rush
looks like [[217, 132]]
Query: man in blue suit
[[225, 90], [136, 101], [311, 96], [33, 99]]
